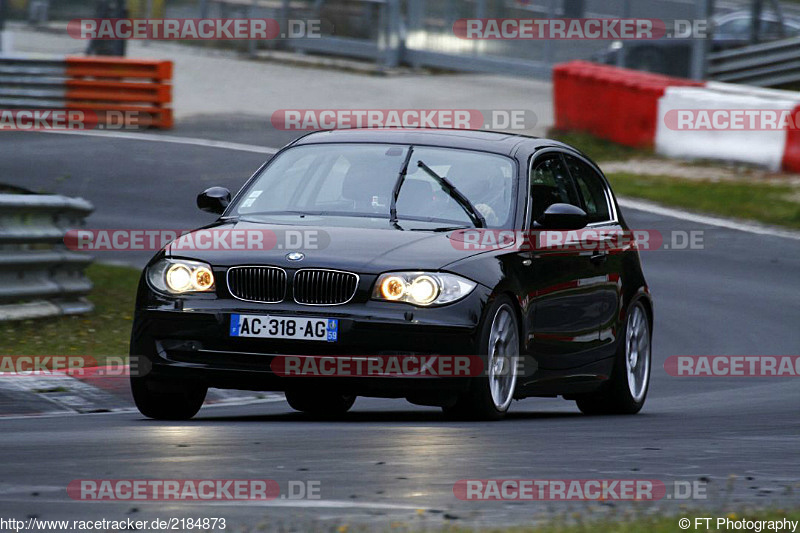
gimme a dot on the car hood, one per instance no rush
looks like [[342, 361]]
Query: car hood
[[361, 250]]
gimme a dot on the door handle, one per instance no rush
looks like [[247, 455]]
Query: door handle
[[598, 257]]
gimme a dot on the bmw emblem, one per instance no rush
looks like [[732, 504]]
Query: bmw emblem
[[295, 256]]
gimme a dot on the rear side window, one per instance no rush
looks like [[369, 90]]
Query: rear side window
[[592, 188]]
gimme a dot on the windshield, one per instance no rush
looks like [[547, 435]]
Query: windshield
[[356, 181]]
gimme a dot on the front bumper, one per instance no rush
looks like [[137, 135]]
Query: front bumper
[[190, 339]]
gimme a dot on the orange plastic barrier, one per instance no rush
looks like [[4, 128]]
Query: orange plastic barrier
[[140, 89], [612, 103]]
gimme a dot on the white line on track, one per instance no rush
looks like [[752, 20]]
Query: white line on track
[[190, 141], [314, 504], [624, 202]]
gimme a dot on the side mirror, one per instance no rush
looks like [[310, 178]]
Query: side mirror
[[214, 200], [563, 216]]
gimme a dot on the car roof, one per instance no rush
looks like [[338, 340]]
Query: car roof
[[486, 141]]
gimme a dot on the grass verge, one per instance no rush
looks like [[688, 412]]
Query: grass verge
[[777, 204], [103, 332], [652, 524], [598, 149]]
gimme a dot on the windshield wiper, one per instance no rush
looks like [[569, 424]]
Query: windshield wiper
[[397, 184], [440, 230], [456, 195]]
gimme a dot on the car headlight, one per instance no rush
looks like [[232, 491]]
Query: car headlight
[[180, 276], [421, 288]]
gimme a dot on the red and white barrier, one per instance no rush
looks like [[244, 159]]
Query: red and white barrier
[[612, 103], [700, 123], [678, 117], [138, 90]]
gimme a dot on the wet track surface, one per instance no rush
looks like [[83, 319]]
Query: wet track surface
[[387, 458]]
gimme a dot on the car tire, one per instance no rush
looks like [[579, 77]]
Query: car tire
[[319, 403], [626, 390], [167, 399], [490, 395]]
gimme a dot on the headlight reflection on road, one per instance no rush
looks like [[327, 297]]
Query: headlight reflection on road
[[416, 453], [176, 434]]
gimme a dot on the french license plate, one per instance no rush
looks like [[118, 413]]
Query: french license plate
[[284, 327]]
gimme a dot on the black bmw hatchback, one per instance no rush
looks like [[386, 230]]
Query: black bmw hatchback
[[503, 256]]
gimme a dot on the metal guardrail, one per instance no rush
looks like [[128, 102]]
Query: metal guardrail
[[764, 65], [420, 32], [372, 32], [32, 82], [39, 276]]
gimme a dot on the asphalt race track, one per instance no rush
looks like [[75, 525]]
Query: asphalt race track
[[388, 460]]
